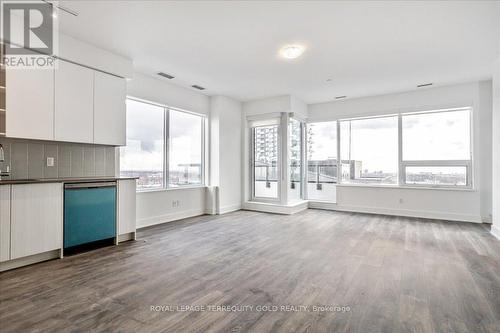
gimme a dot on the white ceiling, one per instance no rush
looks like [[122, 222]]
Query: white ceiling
[[231, 48]]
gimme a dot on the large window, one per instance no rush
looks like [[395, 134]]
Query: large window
[[147, 156], [265, 165], [143, 156], [416, 149], [369, 150], [437, 148], [321, 160], [185, 155]]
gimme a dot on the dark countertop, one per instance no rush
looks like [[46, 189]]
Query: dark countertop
[[62, 180]]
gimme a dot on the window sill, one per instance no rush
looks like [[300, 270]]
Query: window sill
[[409, 187], [171, 189]]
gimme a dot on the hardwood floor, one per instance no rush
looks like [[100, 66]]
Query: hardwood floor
[[390, 274]]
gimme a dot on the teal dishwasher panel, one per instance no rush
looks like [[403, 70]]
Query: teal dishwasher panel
[[89, 215]]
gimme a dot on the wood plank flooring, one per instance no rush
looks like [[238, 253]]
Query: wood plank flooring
[[390, 274]]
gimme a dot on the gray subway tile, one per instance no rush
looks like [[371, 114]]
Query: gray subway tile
[[88, 161], [110, 161], [19, 160], [35, 160], [64, 159], [76, 161], [100, 156]]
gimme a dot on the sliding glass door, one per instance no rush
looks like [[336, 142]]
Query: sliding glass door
[[265, 162]]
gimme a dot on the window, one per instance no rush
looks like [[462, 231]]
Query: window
[[437, 148], [321, 160], [143, 156], [146, 154], [185, 154], [295, 158], [369, 150], [266, 167]]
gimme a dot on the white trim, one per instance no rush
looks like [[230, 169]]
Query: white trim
[[154, 220], [33, 259], [400, 212], [229, 208], [495, 231], [276, 208]]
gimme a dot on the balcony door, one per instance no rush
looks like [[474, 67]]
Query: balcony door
[[266, 162]]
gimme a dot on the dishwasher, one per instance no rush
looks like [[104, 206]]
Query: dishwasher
[[89, 216]]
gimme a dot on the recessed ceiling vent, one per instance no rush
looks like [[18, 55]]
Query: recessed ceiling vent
[[424, 85], [340, 97], [165, 75], [195, 86]]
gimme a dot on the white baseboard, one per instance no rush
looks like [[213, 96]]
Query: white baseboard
[[397, 212], [147, 222], [33, 259], [229, 208], [495, 231], [275, 208]]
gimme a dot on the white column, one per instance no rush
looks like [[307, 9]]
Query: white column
[[495, 229]]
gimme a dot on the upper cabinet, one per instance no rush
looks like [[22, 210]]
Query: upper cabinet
[[74, 103], [29, 110], [109, 109], [71, 103]]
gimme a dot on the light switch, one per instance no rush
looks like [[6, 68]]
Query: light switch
[[50, 161]]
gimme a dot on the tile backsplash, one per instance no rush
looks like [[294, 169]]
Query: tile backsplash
[[28, 159]]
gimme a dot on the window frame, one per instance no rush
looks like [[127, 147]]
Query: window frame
[[403, 164], [166, 147], [468, 164], [252, 166]]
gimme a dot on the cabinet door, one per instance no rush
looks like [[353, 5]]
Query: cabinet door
[[126, 206], [30, 104], [36, 219], [109, 109], [74, 103], [4, 222]]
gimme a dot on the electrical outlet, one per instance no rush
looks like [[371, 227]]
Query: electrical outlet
[[50, 161]]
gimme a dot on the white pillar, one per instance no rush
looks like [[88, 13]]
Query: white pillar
[[495, 229]]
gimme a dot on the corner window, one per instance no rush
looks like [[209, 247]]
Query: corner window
[[321, 160], [147, 156]]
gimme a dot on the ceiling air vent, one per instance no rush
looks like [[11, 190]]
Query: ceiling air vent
[[195, 86], [340, 97], [424, 85], [168, 76]]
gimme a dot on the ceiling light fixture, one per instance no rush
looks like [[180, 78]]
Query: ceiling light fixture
[[292, 51]]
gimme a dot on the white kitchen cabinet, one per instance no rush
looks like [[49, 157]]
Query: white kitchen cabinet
[[74, 103], [4, 222], [30, 104], [36, 218], [109, 109], [126, 206]]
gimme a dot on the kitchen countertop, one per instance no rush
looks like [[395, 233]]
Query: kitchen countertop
[[62, 180]]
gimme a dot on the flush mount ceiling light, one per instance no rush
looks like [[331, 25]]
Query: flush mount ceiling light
[[292, 51]]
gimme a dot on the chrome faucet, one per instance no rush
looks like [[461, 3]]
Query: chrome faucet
[[5, 173]]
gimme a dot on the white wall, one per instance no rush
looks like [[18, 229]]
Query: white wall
[[462, 205], [225, 151], [496, 150], [162, 92], [157, 206]]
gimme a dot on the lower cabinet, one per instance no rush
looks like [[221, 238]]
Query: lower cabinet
[[126, 207], [36, 219], [4, 222]]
